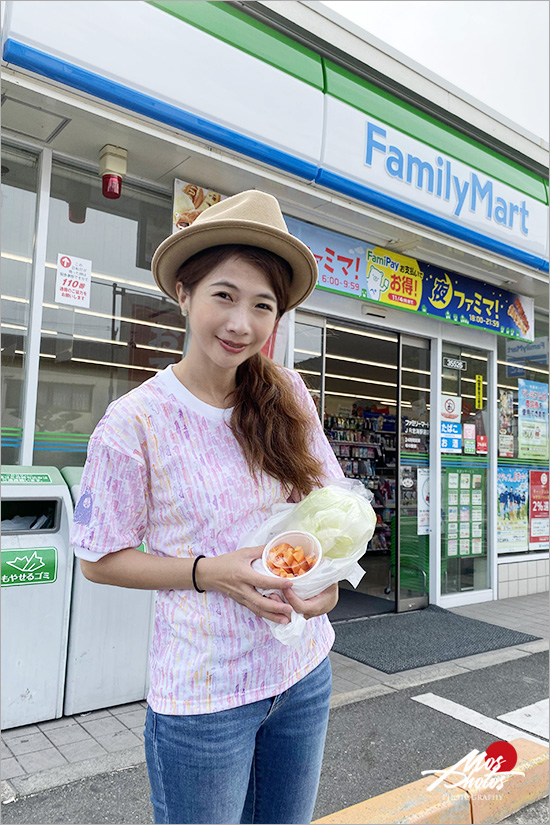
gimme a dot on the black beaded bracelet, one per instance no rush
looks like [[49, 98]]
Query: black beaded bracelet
[[194, 580]]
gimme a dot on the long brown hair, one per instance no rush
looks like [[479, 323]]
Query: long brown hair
[[270, 425]]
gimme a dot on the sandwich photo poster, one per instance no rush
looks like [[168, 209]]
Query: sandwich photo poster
[[189, 201]]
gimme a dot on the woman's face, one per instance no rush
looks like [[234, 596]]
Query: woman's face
[[233, 305]]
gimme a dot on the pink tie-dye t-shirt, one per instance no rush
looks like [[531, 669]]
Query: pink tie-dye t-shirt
[[164, 467]]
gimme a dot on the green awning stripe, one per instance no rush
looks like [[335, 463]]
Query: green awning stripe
[[238, 29], [256, 39], [373, 101]]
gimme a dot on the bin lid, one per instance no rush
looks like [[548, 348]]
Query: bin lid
[[72, 475], [17, 474]]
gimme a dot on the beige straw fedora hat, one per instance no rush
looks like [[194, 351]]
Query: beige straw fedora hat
[[252, 218]]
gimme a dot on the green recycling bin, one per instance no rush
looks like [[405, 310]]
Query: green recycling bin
[[110, 634], [36, 570]]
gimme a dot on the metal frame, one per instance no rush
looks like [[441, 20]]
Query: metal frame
[[314, 320], [492, 417], [404, 605], [488, 345], [34, 328], [435, 471]]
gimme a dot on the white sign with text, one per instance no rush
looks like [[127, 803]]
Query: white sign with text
[[73, 280]]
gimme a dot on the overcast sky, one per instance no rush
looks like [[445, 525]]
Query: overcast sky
[[495, 50]]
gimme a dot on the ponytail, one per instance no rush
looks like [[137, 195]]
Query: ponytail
[[272, 428]]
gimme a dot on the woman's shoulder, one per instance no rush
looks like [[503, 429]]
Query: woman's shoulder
[[126, 417], [137, 400], [295, 380], [293, 376]]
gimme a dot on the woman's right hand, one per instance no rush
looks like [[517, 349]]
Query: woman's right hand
[[233, 575]]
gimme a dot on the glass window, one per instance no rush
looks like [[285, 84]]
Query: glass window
[[360, 413], [19, 188], [92, 355], [465, 446], [522, 485], [308, 357]]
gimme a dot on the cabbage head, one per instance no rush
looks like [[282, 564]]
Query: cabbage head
[[343, 520]]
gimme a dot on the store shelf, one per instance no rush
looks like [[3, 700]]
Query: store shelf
[[354, 443]]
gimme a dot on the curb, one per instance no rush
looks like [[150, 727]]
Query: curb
[[20, 786], [454, 805]]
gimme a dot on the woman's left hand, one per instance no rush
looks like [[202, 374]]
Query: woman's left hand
[[317, 605]]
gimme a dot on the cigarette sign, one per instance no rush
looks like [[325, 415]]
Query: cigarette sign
[[450, 426]]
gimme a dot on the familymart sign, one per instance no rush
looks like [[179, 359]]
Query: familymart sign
[[437, 188], [441, 179]]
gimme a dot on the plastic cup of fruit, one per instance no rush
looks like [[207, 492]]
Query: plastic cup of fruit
[[295, 538]]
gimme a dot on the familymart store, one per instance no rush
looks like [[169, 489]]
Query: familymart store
[[425, 344]]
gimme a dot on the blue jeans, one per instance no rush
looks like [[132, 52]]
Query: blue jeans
[[257, 763]]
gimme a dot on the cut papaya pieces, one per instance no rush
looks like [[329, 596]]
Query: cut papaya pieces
[[299, 554], [288, 562]]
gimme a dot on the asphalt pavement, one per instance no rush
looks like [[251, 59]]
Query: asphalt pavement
[[373, 745]]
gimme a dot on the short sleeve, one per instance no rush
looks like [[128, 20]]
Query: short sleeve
[[111, 513], [320, 446]]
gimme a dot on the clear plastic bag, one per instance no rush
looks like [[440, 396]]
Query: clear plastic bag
[[341, 517]]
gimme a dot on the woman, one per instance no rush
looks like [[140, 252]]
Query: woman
[[190, 461]]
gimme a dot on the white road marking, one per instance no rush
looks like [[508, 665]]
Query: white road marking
[[533, 718], [475, 719]]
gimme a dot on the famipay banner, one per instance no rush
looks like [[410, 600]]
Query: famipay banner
[[352, 267]]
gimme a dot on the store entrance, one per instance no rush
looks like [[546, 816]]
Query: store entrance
[[371, 388]]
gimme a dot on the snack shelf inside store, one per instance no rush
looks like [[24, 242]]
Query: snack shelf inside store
[[365, 446]]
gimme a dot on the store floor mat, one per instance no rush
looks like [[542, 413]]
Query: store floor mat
[[354, 605], [403, 641]]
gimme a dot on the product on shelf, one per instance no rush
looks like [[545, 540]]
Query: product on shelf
[[365, 445]]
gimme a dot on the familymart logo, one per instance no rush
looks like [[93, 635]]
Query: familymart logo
[[443, 180], [480, 772]]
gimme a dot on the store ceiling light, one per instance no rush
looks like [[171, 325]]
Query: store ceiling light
[[526, 366], [376, 364], [114, 364], [390, 402], [475, 357], [115, 317], [362, 380], [14, 326], [361, 361], [393, 338], [158, 349], [10, 256], [100, 340], [307, 372]]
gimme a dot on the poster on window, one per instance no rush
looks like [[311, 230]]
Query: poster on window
[[450, 426], [73, 281], [512, 510], [423, 500], [189, 201], [505, 419], [538, 510], [532, 419], [465, 513]]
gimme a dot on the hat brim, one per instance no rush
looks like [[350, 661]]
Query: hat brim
[[182, 245]]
